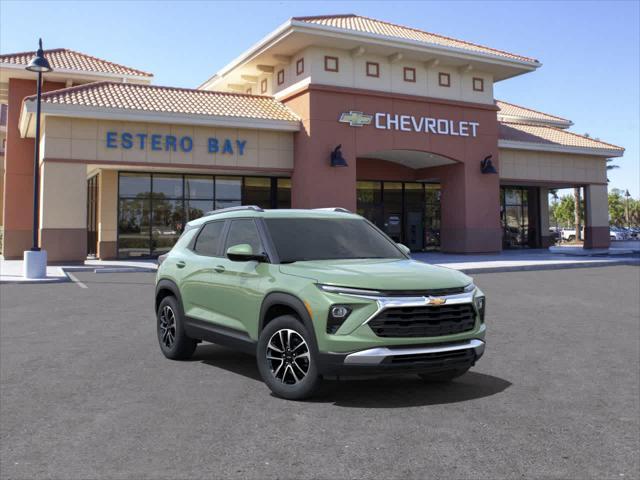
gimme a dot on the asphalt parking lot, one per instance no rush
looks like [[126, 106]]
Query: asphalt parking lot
[[86, 393]]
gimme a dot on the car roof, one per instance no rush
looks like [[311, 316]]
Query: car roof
[[257, 212]]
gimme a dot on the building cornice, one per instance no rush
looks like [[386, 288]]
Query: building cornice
[[544, 147]]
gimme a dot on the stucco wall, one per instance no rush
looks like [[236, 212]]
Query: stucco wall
[[352, 73], [85, 140], [551, 167]]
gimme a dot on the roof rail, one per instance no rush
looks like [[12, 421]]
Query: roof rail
[[334, 209], [253, 208]]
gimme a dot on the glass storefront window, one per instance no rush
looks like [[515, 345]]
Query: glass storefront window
[[408, 212], [153, 208], [257, 191], [519, 219], [135, 184], [283, 199], [228, 192], [167, 186], [199, 188]]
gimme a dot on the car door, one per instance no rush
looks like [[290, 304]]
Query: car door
[[239, 289], [202, 277]]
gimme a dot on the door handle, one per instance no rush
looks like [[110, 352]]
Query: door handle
[[219, 268], [180, 264]]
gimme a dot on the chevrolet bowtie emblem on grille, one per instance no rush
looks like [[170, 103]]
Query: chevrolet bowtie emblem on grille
[[436, 301], [356, 119]]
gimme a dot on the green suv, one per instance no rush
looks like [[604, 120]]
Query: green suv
[[314, 293]]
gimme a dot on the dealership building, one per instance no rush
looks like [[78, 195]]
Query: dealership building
[[398, 124]]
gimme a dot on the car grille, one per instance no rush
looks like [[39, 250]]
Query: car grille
[[437, 359], [437, 292], [424, 321]]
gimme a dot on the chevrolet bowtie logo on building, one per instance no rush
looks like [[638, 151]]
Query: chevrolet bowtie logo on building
[[436, 301], [356, 119]]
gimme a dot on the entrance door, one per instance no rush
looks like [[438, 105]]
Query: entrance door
[[92, 216]]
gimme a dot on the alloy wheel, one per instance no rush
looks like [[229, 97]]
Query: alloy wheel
[[167, 326], [288, 356]]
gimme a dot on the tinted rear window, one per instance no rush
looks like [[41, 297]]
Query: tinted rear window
[[298, 239], [208, 241]]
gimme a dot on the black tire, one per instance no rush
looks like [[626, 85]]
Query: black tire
[[571, 238], [174, 343], [287, 365], [443, 377]]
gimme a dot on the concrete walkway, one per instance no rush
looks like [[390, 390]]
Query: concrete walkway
[[506, 261]]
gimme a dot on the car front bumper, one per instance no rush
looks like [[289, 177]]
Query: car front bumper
[[410, 359]]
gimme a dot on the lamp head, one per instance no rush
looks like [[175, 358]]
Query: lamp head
[[39, 62], [337, 160]]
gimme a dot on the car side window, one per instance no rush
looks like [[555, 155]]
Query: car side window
[[244, 231], [208, 241]]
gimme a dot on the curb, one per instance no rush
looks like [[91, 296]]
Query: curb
[[561, 266]]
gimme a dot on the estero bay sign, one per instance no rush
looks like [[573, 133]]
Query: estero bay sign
[[411, 123], [171, 143]]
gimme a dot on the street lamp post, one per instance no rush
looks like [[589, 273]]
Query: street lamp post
[[626, 208], [35, 260]]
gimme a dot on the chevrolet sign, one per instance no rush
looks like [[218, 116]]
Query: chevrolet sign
[[410, 123]]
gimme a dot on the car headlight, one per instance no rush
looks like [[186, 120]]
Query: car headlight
[[481, 304], [337, 315], [470, 288]]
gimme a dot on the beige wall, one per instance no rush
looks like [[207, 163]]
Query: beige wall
[[108, 206], [352, 73], [80, 139], [597, 212], [552, 167], [63, 195]]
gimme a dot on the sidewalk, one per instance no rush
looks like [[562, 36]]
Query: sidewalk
[[11, 270], [506, 261]]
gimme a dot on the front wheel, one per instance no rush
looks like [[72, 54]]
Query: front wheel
[[443, 377], [287, 360]]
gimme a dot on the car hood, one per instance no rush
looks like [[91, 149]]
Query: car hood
[[384, 274]]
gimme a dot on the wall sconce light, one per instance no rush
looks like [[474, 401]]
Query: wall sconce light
[[486, 166], [337, 160]]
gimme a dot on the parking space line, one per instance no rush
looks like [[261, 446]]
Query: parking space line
[[75, 280]]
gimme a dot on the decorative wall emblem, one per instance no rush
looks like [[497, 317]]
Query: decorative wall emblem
[[356, 119]]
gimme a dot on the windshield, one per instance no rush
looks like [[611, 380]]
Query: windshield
[[298, 239]]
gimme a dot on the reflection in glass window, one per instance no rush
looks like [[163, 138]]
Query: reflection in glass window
[[228, 192], [257, 191], [135, 184], [167, 186], [197, 208], [198, 188], [284, 193], [133, 227], [167, 224]]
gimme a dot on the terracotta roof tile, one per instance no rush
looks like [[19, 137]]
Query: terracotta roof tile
[[379, 27], [517, 132], [513, 110], [65, 59], [152, 98]]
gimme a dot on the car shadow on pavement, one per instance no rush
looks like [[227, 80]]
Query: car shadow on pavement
[[392, 391]]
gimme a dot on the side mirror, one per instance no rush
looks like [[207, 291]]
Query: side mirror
[[406, 250], [244, 253]]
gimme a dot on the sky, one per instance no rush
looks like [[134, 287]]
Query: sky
[[590, 51]]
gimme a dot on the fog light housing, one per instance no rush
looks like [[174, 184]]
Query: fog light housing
[[480, 306], [337, 315]]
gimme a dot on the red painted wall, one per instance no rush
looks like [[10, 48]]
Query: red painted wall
[[18, 177]]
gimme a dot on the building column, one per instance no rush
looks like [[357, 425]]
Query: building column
[[63, 211], [546, 239], [107, 214], [314, 182], [596, 216], [470, 209]]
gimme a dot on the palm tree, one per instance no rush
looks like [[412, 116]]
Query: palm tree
[[576, 210]]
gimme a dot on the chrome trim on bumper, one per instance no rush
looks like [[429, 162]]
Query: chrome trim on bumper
[[375, 356]]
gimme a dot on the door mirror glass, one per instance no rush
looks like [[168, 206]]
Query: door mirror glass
[[406, 250], [243, 252]]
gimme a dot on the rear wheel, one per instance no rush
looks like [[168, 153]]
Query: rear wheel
[[174, 343], [287, 360], [443, 377]]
